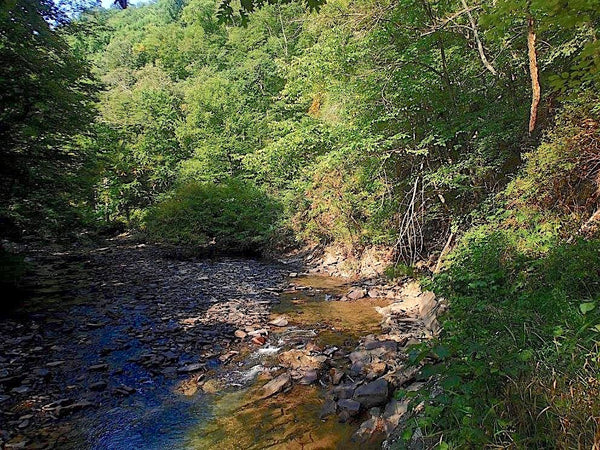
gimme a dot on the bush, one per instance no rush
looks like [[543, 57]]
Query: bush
[[518, 360], [232, 216]]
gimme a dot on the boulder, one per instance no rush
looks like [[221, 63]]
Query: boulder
[[352, 407], [372, 394]]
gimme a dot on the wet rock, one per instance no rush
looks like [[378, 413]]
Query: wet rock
[[68, 409], [372, 394], [388, 346], [259, 340], [344, 391], [352, 407], [190, 368], [4, 398], [42, 373], [276, 385], [98, 367], [21, 390], [123, 390], [55, 363], [329, 409], [98, 386]]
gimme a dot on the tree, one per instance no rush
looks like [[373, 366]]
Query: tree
[[46, 99]]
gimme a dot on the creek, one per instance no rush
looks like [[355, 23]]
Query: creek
[[120, 347]]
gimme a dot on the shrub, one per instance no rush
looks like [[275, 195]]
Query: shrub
[[232, 216]]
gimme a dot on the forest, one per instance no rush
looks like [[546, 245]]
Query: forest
[[459, 137]]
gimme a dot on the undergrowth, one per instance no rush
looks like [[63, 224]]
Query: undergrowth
[[517, 365]]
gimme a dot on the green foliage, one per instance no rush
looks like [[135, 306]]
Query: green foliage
[[46, 99], [234, 216], [523, 293]]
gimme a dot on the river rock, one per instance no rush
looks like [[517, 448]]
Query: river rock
[[276, 385], [190, 368], [329, 409], [352, 407], [372, 394], [68, 409], [356, 293], [344, 391], [301, 359], [240, 334], [336, 376], [98, 386], [21, 390], [309, 377], [279, 322]]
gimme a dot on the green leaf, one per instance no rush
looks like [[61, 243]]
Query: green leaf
[[587, 307]]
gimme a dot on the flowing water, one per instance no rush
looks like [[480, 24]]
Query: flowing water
[[167, 411]]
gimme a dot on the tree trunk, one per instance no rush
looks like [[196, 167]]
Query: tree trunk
[[533, 71]]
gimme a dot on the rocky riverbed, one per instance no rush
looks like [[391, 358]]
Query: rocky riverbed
[[122, 347]]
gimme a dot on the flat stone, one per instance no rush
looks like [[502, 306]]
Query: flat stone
[[98, 386], [356, 293], [240, 334], [190, 368], [344, 391], [329, 409], [390, 346], [124, 390], [279, 322], [428, 304], [21, 390], [55, 363], [276, 385], [372, 394], [98, 367], [64, 410]]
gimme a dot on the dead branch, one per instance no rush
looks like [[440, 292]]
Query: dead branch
[[484, 59]]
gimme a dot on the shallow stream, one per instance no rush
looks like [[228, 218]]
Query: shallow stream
[[117, 334]]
